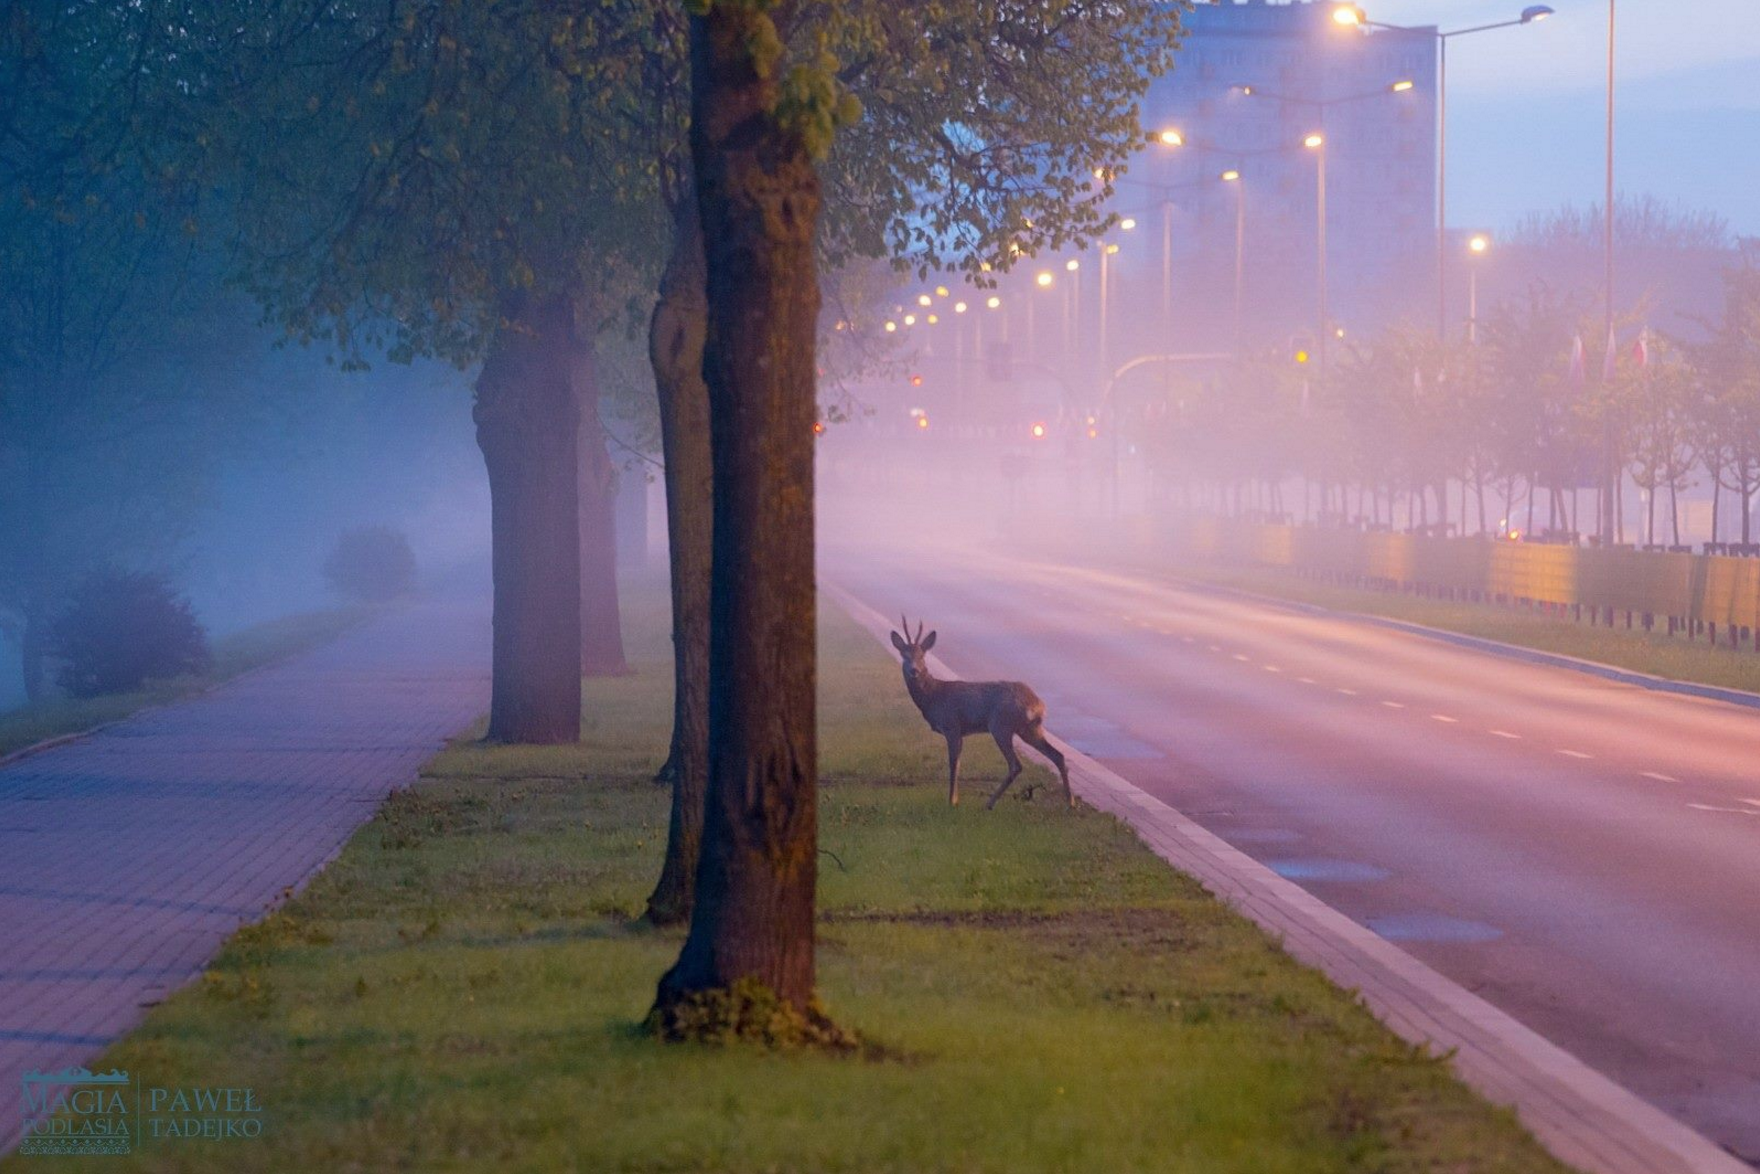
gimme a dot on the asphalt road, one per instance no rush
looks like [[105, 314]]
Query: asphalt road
[[1583, 854]]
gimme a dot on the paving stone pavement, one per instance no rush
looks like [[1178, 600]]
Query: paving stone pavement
[[126, 857]]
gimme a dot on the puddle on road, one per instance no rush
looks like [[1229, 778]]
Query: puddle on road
[[1431, 927], [1320, 868]]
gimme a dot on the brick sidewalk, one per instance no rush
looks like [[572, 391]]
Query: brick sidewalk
[[127, 857]]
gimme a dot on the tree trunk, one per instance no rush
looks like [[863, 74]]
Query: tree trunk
[[527, 425], [601, 629], [675, 348], [750, 950]]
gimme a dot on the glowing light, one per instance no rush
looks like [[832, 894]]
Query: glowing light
[[1348, 15], [910, 319], [1171, 138], [1128, 223], [1072, 264], [1314, 141], [1044, 279], [1093, 433], [934, 318], [1038, 431], [1339, 332], [891, 327], [993, 301], [1230, 176], [1111, 249], [1479, 243], [959, 307], [941, 291], [1301, 356], [922, 422], [925, 300], [818, 427], [916, 381], [1403, 85]]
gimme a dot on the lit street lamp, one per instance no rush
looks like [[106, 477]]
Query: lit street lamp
[[1316, 143], [1477, 247], [1352, 16], [1233, 176]]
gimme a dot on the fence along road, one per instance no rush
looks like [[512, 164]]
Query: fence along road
[[1584, 855]]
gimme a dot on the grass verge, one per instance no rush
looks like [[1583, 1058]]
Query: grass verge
[[1656, 653], [460, 990], [239, 652]]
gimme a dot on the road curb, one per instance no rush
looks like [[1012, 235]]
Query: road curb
[[1584, 1118]]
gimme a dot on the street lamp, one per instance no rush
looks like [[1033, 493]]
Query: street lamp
[[1477, 246], [1352, 16], [1233, 176], [1316, 142]]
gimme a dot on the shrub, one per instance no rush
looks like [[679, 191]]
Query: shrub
[[123, 628], [372, 564]]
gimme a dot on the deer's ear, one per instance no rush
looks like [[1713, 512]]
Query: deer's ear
[[899, 644], [928, 641]]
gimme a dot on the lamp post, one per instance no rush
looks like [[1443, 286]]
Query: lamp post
[[1476, 248], [1316, 142], [1351, 16], [1233, 176]]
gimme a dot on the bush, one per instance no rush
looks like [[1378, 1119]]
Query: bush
[[123, 628], [372, 564]]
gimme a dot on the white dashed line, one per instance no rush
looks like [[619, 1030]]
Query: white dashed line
[[1575, 754], [1306, 680], [1216, 648], [1505, 734], [1347, 692], [1727, 810], [1271, 668], [1238, 656], [1443, 717], [1650, 774]]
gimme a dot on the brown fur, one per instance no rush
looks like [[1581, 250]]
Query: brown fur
[[1003, 709]]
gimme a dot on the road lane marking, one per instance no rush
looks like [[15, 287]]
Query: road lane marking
[[1306, 680], [1505, 734], [1347, 692], [1575, 754], [1650, 774], [1726, 810], [1238, 656], [1271, 668], [1443, 717], [1752, 802], [1394, 704], [1216, 648]]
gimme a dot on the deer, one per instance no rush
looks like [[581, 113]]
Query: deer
[[953, 709]]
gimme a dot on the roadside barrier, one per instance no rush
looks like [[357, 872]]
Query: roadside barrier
[[1692, 593]]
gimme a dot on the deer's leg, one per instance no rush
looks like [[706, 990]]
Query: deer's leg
[[1005, 743], [955, 743], [1035, 738]]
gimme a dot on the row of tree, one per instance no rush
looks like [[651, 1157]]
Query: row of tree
[[1493, 435], [495, 185]]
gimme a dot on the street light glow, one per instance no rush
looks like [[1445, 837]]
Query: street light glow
[[1348, 15], [1111, 249], [1044, 279], [993, 302], [1171, 138], [910, 319], [934, 318], [1479, 243], [891, 327], [1230, 176], [1535, 12], [941, 291], [1314, 141], [1401, 86], [1072, 264], [959, 307], [1128, 223], [924, 300]]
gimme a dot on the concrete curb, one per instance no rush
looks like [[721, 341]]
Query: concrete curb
[[1584, 1118]]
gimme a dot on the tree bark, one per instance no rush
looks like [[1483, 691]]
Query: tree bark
[[751, 940], [601, 624], [527, 423], [675, 349]]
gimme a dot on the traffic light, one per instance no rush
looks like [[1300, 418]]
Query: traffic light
[[1301, 349], [916, 381]]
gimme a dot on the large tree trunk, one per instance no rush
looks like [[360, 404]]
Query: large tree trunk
[[601, 626], [527, 424], [675, 348], [750, 950]]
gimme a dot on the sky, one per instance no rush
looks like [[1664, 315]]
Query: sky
[[1527, 105]]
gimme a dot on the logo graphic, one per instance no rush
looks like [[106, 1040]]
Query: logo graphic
[[76, 1111]]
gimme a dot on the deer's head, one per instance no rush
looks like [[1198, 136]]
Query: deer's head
[[914, 650]]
